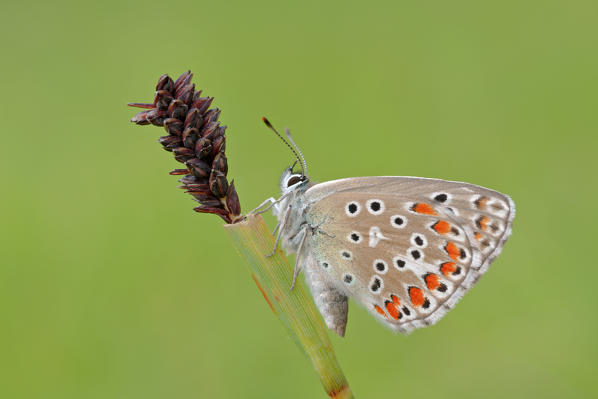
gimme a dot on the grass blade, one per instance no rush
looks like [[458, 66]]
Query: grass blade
[[295, 309]]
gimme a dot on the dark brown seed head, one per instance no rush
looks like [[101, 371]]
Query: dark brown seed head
[[204, 104], [182, 81], [199, 168], [218, 184], [197, 140], [203, 188], [218, 211], [218, 145], [209, 129], [220, 164], [172, 146], [173, 126], [232, 199], [208, 201], [163, 99], [177, 172], [188, 180], [177, 109], [165, 83], [170, 142], [212, 115], [202, 196], [186, 94], [193, 119], [182, 158], [141, 118], [183, 151], [190, 136], [154, 118], [203, 148]]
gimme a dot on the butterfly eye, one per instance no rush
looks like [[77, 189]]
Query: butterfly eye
[[294, 179]]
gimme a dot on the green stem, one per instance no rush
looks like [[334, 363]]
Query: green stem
[[295, 308]]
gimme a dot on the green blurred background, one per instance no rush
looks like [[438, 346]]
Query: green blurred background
[[112, 287]]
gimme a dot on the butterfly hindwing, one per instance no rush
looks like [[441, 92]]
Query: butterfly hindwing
[[406, 248]]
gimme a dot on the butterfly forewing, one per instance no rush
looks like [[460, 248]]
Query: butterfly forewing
[[406, 248]]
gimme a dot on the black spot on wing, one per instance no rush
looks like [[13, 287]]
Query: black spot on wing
[[441, 197]]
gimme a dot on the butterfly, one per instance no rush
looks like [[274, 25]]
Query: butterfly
[[406, 248]]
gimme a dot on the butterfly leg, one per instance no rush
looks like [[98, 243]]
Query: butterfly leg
[[276, 228], [297, 268], [271, 202], [285, 217], [305, 230]]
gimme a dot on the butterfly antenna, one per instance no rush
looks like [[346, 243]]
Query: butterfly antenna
[[304, 164], [267, 122]]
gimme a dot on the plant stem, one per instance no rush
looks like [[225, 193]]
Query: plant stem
[[295, 309]]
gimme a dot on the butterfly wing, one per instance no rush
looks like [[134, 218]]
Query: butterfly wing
[[406, 248]]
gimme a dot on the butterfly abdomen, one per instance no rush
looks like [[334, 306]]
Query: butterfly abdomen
[[331, 302]]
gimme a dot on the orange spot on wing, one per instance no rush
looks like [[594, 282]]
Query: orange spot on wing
[[392, 310], [483, 222], [452, 250], [380, 311], [478, 236], [432, 281], [395, 300], [481, 202], [424, 209], [447, 268], [442, 227], [417, 296]]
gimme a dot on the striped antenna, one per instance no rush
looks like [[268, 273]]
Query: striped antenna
[[291, 147]]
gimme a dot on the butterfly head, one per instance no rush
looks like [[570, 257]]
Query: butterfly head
[[291, 180]]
